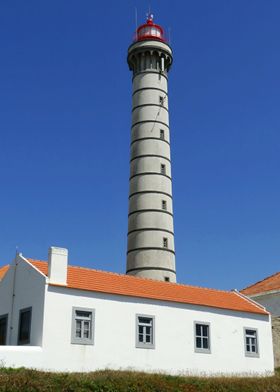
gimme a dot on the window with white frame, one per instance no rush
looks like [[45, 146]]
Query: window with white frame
[[82, 326], [202, 337], [251, 342], [145, 331]]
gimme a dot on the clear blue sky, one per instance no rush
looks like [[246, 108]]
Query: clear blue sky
[[65, 112]]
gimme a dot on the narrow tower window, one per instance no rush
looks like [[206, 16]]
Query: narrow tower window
[[163, 169], [165, 242], [161, 134], [164, 204], [161, 100], [166, 279]]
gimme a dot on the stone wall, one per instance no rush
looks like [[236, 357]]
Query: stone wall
[[276, 340]]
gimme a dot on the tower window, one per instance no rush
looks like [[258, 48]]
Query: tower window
[[165, 242], [161, 100], [166, 279], [163, 169], [161, 134], [164, 204]]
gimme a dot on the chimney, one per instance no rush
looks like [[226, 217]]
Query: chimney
[[58, 262]]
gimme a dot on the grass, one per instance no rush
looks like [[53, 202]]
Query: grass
[[25, 380]]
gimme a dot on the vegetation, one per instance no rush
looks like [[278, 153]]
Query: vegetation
[[24, 380]]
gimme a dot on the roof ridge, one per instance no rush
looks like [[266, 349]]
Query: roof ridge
[[138, 278], [260, 281]]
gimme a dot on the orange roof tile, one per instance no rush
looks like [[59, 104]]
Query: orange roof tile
[[270, 283], [3, 271], [112, 283]]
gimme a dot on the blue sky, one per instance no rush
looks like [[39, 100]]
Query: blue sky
[[65, 112]]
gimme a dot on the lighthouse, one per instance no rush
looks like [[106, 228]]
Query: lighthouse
[[150, 239]]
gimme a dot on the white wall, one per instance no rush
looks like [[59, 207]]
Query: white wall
[[28, 287], [6, 294], [115, 337], [114, 345], [17, 356]]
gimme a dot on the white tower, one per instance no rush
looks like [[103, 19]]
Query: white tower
[[150, 245]]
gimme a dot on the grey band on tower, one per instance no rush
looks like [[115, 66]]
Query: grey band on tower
[[150, 244]]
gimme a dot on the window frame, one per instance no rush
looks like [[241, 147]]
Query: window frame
[[161, 134], [200, 349], [5, 317], [163, 169], [251, 353], [26, 341], [165, 242], [164, 205], [82, 340], [139, 344]]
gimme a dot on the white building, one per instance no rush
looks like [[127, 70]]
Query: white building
[[57, 317], [63, 318]]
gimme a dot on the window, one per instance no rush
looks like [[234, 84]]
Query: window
[[161, 134], [82, 326], [165, 242], [166, 279], [163, 169], [145, 331], [161, 100], [202, 337], [3, 329], [164, 205], [251, 342], [24, 326]]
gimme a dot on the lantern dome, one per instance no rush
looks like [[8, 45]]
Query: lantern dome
[[149, 31]]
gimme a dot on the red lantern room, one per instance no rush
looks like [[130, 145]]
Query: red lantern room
[[150, 30]]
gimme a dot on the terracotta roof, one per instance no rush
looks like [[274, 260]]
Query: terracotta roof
[[3, 271], [112, 283], [270, 283]]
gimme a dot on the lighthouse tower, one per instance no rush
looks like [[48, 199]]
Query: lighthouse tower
[[150, 244]]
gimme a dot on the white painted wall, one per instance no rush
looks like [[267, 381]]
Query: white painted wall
[[6, 294], [17, 356], [29, 291], [174, 336]]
